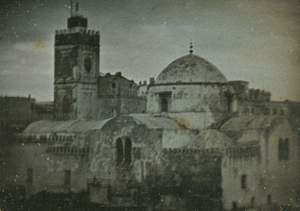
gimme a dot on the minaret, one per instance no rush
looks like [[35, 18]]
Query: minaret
[[76, 69]]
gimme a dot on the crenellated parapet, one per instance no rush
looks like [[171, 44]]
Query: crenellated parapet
[[75, 36], [75, 30]]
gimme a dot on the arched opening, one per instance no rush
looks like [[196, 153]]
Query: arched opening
[[119, 146], [127, 151]]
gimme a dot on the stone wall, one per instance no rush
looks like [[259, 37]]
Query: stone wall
[[269, 180], [118, 96], [189, 98], [15, 113]]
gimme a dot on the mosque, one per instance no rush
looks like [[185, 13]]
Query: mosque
[[188, 140]]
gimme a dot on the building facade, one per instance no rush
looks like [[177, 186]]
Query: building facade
[[189, 140]]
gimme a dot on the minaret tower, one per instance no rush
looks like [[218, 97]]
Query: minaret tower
[[76, 69]]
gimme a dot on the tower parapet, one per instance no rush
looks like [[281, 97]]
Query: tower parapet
[[73, 36]]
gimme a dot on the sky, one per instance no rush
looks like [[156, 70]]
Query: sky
[[253, 40]]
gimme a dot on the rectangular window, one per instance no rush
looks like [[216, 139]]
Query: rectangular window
[[29, 175], [244, 181], [283, 149], [164, 101], [67, 181]]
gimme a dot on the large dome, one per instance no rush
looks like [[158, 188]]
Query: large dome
[[190, 68]]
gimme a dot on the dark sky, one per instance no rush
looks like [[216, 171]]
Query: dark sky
[[256, 40]]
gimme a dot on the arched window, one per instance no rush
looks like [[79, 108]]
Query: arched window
[[127, 151], [283, 149], [119, 146]]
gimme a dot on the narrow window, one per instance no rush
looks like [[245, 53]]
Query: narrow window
[[114, 112], [164, 101], [252, 201], [275, 111], [65, 105], [113, 85], [244, 181], [164, 104], [119, 146], [283, 149], [252, 111], [269, 200], [234, 206], [67, 181], [127, 151], [29, 175]]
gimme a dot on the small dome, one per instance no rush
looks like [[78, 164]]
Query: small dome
[[190, 68], [208, 139]]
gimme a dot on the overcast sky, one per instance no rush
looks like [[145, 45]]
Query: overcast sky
[[255, 40]]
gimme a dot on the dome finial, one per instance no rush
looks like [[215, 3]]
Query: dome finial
[[191, 47]]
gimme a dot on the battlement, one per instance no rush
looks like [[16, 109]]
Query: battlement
[[76, 30], [256, 95], [73, 36]]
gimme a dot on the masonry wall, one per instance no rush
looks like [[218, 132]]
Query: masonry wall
[[118, 96], [119, 180], [189, 98], [116, 85], [108, 107], [15, 112], [48, 168], [270, 181], [75, 101]]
